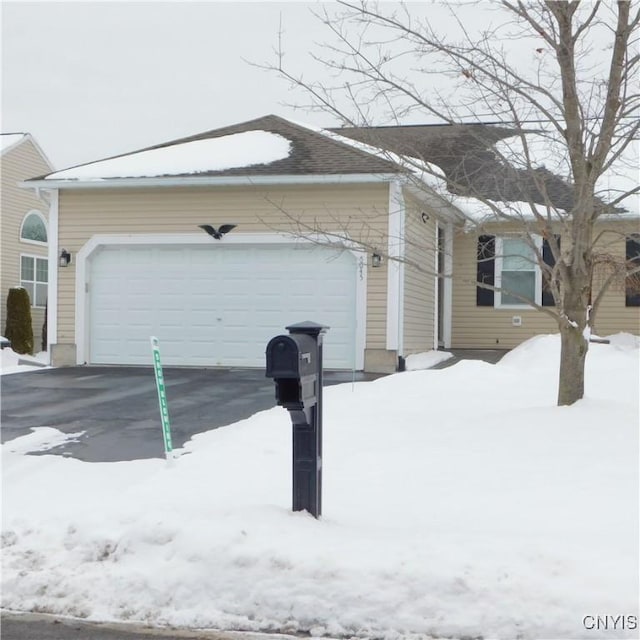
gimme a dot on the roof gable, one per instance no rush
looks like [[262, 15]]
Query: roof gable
[[9, 141], [271, 146]]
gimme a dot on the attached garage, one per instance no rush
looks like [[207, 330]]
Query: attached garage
[[141, 264], [217, 304]]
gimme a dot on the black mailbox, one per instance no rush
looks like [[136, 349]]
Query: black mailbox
[[294, 362], [292, 356]]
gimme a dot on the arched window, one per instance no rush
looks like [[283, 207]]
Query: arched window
[[34, 228]]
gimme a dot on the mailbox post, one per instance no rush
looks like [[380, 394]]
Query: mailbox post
[[294, 362]]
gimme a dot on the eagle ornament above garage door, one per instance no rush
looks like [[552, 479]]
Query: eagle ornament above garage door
[[217, 306]]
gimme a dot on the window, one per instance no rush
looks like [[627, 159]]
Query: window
[[34, 275], [34, 228], [509, 263], [517, 272], [632, 284]]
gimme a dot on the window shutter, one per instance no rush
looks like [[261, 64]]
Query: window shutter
[[485, 270], [547, 257], [632, 255]]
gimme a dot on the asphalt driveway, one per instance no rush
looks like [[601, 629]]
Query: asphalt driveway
[[117, 407]]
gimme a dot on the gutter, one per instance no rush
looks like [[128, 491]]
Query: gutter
[[209, 181]]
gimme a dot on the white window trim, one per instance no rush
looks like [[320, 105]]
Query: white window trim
[[35, 259], [499, 254], [46, 228]]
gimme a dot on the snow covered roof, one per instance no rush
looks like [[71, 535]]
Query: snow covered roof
[[268, 146], [488, 161], [462, 165], [206, 155]]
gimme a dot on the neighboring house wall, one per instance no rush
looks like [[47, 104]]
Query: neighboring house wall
[[484, 327], [17, 164], [87, 212]]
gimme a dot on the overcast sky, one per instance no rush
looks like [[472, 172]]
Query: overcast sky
[[91, 79], [94, 79]]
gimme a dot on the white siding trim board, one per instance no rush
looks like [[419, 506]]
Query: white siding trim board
[[395, 268], [448, 285], [52, 293]]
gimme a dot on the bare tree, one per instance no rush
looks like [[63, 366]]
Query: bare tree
[[559, 77]]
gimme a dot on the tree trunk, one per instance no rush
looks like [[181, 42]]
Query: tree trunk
[[573, 355]]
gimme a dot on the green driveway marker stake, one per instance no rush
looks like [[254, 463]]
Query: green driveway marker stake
[[162, 398]]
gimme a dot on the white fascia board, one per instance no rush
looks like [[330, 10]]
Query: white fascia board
[[211, 181]]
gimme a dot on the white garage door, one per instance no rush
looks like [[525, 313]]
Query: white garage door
[[216, 305]]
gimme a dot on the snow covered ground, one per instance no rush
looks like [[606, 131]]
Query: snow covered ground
[[12, 362], [457, 503]]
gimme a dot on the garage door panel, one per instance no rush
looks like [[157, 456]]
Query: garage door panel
[[216, 304]]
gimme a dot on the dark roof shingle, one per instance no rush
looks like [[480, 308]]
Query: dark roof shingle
[[312, 153], [466, 154]]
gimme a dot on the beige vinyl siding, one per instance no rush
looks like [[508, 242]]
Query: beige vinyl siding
[[419, 281], [613, 316], [476, 327], [351, 210], [20, 163], [376, 306]]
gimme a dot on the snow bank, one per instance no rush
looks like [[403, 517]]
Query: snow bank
[[40, 439], [12, 362], [426, 360], [457, 503]]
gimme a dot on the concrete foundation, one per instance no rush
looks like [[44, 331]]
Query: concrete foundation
[[380, 361], [63, 355]]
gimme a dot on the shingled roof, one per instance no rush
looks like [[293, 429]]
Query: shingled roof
[[466, 154], [310, 153]]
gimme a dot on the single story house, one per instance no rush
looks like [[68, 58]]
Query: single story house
[[473, 164], [24, 227], [215, 242]]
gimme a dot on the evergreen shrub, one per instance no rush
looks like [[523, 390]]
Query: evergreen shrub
[[19, 328]]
